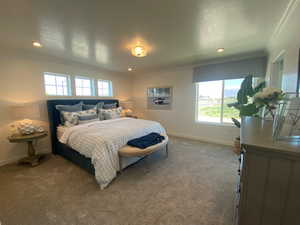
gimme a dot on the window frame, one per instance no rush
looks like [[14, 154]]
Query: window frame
[[110, 88], [221, 123], [92, 83], [69, 84]]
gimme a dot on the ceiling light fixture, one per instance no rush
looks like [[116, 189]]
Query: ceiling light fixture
[[220, 50], [37, 44], [129, 69], [138, 51]]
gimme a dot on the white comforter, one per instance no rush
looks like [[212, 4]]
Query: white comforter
[[101, 141]]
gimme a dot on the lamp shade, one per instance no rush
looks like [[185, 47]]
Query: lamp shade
[[127, 104], [25, 111]]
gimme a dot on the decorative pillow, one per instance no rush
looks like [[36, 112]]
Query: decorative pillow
[[87, 119], [99, 105], [68, 108], [110, 106], [72, 118], [87, 107], [88, 112], [108, 114]]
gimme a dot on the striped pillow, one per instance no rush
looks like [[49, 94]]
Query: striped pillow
[[72, 118], [82, 119]]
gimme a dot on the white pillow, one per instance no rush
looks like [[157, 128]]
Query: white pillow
[[72, 118], [107, 114]]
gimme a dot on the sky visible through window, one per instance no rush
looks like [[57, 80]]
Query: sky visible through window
[[56, 84], [83, 86], [104, 88]]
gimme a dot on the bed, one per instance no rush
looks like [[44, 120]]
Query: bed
[[105, 136]]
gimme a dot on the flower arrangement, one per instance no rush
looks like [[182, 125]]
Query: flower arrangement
[[269, 98], [24, 127]]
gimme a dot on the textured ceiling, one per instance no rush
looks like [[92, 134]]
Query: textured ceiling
[[176, 32]]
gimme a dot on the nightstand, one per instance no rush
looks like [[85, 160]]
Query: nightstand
[[32, 159]]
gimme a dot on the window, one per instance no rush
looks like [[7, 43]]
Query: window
[[84, 86], [105, 88], [212, 100], [57, 84]]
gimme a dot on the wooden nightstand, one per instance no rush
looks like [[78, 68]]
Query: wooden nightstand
[[32, 158]]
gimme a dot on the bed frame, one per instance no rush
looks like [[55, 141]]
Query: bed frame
[[54, 121]]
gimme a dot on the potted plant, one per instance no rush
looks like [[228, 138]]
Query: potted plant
[[245, 104]]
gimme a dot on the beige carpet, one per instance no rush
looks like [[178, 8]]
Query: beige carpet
[[194, 186]]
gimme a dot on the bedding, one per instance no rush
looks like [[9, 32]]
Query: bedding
[[97, 106], [73, 118], [60, 130], [110, 106], [101, 141], [146, 141], [82, 119], [107, 114], [68, 108]]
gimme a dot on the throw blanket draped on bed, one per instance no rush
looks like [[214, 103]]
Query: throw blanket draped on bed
[[101, 141]]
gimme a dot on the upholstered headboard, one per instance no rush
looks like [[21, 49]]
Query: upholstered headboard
[[54, 116]]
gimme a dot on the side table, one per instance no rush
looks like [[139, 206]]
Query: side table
[[32, 159]]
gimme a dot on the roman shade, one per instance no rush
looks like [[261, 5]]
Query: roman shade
[[231, 70]]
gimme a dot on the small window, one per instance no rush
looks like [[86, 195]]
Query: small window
[[84, 86], [57, 84], [212, 100], [105, 88]]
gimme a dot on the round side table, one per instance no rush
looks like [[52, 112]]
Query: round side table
[[32, 159]]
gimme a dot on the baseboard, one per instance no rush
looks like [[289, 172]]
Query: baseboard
[[203, 139], [11, 160]]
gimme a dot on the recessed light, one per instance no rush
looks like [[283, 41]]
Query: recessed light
[[37, 44], [129, 69], [220, 50], [139, 51]]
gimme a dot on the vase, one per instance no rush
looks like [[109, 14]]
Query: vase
[[268, 113]]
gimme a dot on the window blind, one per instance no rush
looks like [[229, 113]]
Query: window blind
[[231, 70]]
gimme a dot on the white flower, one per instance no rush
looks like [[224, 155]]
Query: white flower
[[267, 92]]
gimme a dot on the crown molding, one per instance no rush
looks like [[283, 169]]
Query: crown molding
[[283, 20]]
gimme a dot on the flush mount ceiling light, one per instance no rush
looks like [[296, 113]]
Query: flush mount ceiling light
[[138, 51], [220, 50], [37, 44]]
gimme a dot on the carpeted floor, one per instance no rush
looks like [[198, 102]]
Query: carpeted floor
[[194, 186]]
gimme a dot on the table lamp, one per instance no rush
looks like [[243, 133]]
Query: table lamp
[[127, 106]]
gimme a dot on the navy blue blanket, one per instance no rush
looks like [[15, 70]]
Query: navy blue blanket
[[146, 141]]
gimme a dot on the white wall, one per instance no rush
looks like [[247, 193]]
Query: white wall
[[287, 41], [21, 81], [179, 121]]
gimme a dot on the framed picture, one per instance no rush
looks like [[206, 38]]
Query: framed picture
[[159, 98]]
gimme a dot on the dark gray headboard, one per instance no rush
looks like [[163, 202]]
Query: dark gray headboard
[[54, 116]]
